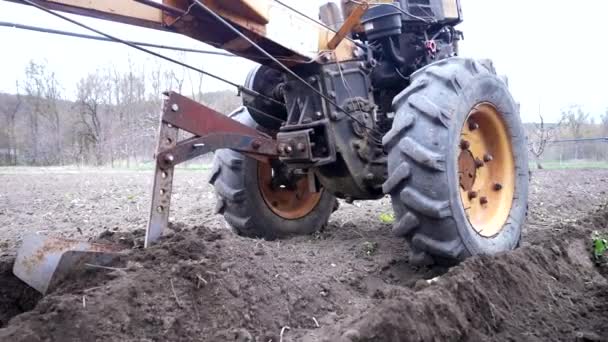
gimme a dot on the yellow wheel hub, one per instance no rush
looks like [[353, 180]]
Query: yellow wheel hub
[[486, 170]]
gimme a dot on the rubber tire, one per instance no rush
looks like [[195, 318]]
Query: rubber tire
[[423, 150], [234, 177]]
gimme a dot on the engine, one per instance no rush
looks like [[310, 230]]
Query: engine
[[334, 124]]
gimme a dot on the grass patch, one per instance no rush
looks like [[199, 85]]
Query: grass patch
[[600, 248], [387, 218], [572, 164]]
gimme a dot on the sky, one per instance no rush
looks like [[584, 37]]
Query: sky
[[551, 50]]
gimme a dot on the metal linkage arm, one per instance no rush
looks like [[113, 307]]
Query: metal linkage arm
[[212, 131]]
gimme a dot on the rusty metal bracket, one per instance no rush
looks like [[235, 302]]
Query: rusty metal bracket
[[44, 261], [353, 20], [211, 131]]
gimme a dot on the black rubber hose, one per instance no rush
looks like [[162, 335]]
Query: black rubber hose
[[391, 51]]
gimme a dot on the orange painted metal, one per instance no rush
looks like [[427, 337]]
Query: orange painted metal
[[349, 24], [290, 202], [486, 169]]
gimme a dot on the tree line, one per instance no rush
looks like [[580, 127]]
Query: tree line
[[111, 120]]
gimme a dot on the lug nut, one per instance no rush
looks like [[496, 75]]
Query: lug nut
[[288, 149], [497, 186], [478, 163], [464, 144], [472, 194], [487, 157], [473, 126], [483, 200]]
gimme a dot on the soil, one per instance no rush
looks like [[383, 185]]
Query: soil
[[350, 282]]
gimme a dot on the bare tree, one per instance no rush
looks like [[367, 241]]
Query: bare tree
[[604, 119], [114, 115], [575, 119], [541, 136], [128, 106], [10, 108], [43, 92], [196, 86], [92, 94]]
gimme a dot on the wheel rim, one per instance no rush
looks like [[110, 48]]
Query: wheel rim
[[486, 170], [290, 201]]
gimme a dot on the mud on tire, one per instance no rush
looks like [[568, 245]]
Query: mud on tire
[[423, 151], [239, 199]]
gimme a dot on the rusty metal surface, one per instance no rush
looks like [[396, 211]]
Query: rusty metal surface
[[43, 261], [256, 147], [212, 131], [200, 120], [349, 24], [163, 183], [296, 145]]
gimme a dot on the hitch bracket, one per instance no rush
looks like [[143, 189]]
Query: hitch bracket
[[211, 131]]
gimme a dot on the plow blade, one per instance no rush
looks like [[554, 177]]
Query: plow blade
[[42, 262]]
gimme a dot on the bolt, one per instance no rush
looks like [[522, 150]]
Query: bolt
[[301, 147], [169, 158], [255, 144], [288, 149], [369, 176], [478, 163], [483, 200], [497, 186], [473, 126], [281, 148], [487, 157], [319, 114], [174, 107], [472, 194], [464, 144]]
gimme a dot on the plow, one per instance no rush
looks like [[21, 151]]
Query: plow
[[370, 100]]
